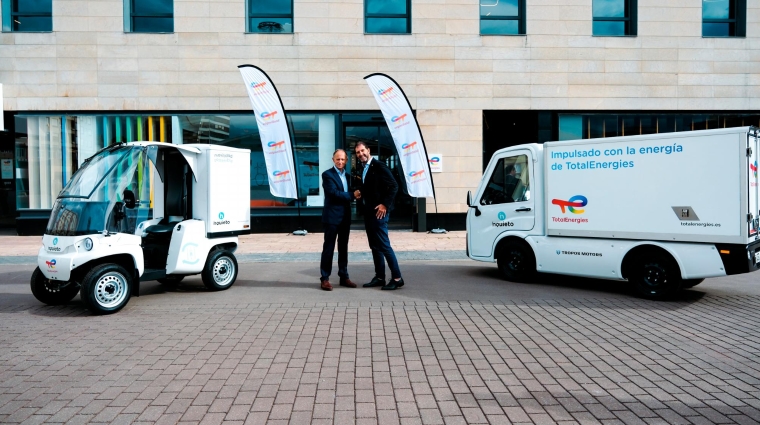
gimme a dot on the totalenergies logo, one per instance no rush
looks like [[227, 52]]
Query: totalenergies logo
[[266, 116], [573, 204], [259, 88], [753, 167], [407, 146], [281, 174], [414, 174], [275, 145], [434, 160], [398, 118], [50, 264], [386, 94]]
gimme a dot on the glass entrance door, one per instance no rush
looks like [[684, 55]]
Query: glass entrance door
[[378, 138], [7, 188]]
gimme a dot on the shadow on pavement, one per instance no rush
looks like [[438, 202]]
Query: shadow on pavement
[[599, 286]]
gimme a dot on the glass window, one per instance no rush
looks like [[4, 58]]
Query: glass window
[[270, 16], [502, 17], [724, 18], [387, 17], [28, 16], [510, 182], [591, 126], [50, 149], [151, 15], [614, 17]]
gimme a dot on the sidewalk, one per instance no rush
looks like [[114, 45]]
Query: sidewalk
[[278, 247]]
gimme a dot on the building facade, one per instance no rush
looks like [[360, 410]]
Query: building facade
[[79, 75]]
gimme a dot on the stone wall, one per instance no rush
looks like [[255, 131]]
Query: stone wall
[[450, 73]]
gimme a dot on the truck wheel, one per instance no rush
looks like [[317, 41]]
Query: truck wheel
[[171, 281], [690, 283], [516, 262], [106, 288], [52, 292], [220, 271], [656, 276]]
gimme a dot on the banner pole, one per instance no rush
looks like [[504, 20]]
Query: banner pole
[[419, 132], [300, 231], [266, 105]]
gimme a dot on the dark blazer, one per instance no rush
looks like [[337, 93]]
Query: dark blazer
[[379, 186], [337, 201]]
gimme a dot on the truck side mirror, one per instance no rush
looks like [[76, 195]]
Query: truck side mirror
[[469, 204]]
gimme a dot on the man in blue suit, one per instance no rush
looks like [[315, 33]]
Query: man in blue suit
[[336, 219]]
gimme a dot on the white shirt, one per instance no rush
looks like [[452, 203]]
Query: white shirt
[[366, 167], [342, 175]]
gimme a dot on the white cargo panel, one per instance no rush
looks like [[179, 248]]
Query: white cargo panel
[[228, 191], [689, 186]]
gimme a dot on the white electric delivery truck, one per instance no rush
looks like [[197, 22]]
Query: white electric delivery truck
[[144, 211], [663, 211]]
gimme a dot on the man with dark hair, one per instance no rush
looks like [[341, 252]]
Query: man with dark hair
[[336, 219], [510, 182], [377, 193]]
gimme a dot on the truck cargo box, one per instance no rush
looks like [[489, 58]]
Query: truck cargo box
[[698, 186]]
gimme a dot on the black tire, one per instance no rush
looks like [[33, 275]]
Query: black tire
[[656, 276], [220, 271], [52, 292], [516, 261], [106, 288], [171, 281], [690, 283]]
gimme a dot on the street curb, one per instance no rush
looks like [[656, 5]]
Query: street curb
[[304, 257]]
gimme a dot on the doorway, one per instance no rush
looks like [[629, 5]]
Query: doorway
[[375, 134], [7, 182]]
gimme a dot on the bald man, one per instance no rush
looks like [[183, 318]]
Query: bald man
[[336, 220]]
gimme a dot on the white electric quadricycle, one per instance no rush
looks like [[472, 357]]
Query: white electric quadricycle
[[144, 211]]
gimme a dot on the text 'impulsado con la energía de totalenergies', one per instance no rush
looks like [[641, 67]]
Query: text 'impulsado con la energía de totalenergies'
[[615, 164]]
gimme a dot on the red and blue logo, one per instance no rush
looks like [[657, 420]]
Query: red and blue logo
[[281, 173], [398, 118], [573, 204], [51, 264], [259, 88], [434, 160], [385, 94], [753, 167], [276, 145], [406, 146], [268, 115], [416, 173]]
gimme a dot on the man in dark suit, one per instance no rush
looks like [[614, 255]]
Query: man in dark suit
[[336, 219], [377, 193]]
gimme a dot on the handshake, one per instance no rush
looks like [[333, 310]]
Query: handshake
[[357, 194]]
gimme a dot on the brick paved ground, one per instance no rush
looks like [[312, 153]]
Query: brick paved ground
[[581, 361], [282, 243]]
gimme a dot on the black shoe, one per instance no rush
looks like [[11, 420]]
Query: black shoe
[[393, 284], [376, 281]]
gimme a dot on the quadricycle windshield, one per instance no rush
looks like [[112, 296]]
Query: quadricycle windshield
[[110, 192]]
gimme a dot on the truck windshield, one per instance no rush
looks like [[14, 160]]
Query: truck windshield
[[94, 199]]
